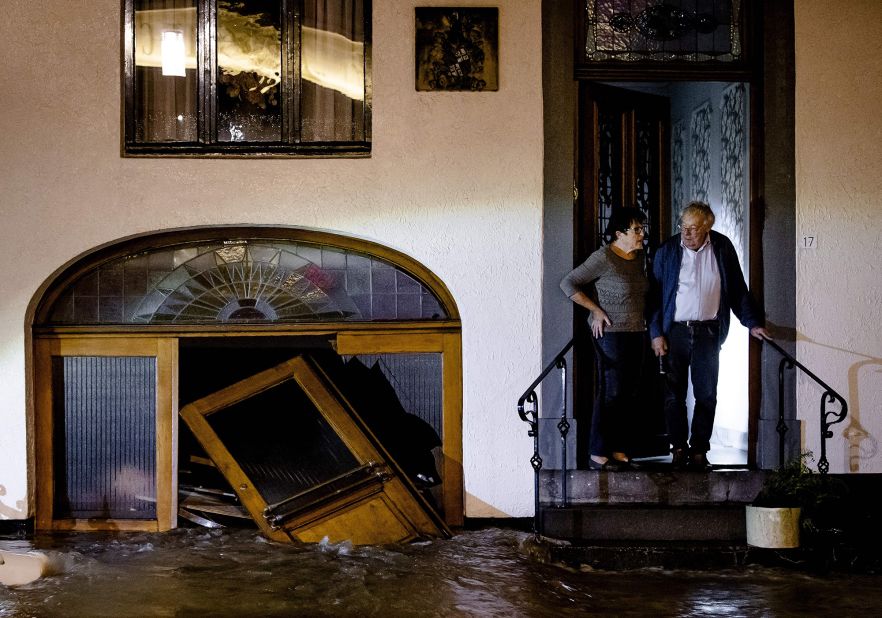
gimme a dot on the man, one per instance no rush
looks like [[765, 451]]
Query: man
[[696, 281]]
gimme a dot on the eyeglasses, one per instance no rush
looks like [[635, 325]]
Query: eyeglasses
[[690, 229], [636, 230]]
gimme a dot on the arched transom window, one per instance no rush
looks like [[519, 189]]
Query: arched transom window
[[244, 281]]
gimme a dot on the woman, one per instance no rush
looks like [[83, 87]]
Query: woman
[[617, 272]]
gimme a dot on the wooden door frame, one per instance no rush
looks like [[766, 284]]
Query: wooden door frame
[[585, 230], [165, 350], [442, 337], [583, 362], [767, 66]]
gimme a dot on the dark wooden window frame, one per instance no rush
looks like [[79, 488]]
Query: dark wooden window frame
[[207, 144]]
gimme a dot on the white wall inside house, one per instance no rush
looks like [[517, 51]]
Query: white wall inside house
[[455, 181], [729, 440], [839, 201]]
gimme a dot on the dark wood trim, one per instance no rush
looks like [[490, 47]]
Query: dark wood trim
[[584, 232], [225, 150], [291, 86], [368, 71], [248, 330], [128, 72], [756, 177], [667, 72], [207, 61]]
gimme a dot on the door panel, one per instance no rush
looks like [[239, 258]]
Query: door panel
[[623, 161], [303, 462], [105, 428]]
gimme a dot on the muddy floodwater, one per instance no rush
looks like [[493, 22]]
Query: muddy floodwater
[[488, 572]]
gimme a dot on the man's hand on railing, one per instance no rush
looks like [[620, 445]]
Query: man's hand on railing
[[760, 333]]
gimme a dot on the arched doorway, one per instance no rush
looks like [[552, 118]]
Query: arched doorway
[[126, 334]]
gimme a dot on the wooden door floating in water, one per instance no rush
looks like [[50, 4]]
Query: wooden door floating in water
[[305, 464]]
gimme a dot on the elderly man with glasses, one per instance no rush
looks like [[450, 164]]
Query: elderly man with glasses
[[696, 281]]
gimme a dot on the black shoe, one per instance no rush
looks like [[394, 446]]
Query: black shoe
[[678, 459], [611, 465], [698, 461]]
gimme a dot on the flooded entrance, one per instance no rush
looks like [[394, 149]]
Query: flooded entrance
[[312, 452], [489, 572]]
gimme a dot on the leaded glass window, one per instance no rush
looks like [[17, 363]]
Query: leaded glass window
[[288, 77], [608, 184], [249, 281], [641, 30]]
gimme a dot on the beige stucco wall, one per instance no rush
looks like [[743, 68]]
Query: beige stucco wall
[[839, 199], [455, 181]]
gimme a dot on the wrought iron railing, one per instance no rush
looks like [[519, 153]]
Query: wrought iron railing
[[531, 417], [828, 417]]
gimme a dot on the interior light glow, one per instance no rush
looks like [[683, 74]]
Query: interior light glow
[[173, 56], [328, 59]]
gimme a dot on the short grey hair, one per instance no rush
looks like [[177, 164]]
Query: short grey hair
[[699, 209]]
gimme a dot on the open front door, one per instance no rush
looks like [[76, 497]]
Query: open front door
[[304, 463], [623, 150], [623, 162]]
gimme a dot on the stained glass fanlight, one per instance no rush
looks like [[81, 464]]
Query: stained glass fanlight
[[654, 30], [244, 281]]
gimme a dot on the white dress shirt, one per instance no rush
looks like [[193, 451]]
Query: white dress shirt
[[698, 288]]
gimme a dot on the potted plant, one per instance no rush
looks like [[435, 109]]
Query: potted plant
[[793, 497]]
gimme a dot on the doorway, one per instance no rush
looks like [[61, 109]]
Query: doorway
[[656, 146]]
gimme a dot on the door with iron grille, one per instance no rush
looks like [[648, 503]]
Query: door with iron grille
[[623, 162]]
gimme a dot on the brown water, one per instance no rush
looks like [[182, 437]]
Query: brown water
[[199, 572]]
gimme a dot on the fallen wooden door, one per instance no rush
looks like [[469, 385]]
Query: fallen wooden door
[[303, 462]]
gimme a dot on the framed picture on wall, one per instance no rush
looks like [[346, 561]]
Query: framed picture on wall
[[457, 48]]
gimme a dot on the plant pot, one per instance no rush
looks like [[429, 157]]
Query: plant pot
[[772, 527]]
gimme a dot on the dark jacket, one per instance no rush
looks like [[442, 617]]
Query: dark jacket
[[733, 290]]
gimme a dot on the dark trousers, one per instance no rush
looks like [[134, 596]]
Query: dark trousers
[[621, 358], [697, 348]]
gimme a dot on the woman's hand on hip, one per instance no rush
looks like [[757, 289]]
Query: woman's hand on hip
[[598, 319]]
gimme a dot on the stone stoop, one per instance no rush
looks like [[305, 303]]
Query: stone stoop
[[659, 518], [647, 505]]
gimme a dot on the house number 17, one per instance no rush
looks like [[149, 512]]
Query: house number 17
[[809, 241]]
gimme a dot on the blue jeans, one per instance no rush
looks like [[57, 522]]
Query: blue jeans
[[621, 358], [696, 347]]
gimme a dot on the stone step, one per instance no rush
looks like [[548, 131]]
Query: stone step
[[660, 486], [638, 523]]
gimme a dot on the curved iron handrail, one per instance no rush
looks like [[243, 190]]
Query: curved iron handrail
[[531, 417], [554, 363], [827, 397]]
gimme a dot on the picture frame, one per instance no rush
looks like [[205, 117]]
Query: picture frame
[[457, 49]]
